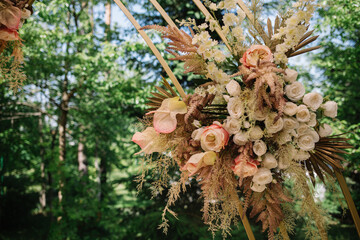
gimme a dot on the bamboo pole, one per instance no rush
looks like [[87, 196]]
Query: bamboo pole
[[246, 223], [152, 47], [349, 200], [168, 20], [207, 14]]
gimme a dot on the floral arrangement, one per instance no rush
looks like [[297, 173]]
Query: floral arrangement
[[250, 129], [13, 13]]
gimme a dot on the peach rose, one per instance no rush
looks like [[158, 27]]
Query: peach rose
[[214, 138], [147, 140], [255, 53], [244, 168], [198, 161], [165, 117]]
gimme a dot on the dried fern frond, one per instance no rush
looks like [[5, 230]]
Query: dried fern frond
[[168, 92], [325, 158], [266, 205], [182, 48]]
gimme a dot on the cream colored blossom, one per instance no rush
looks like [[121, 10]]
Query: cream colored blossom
[[271, 126], [295, 91], [235, 107], [330, 109], [263, 176], [259, 147], [241, 138], [325, 130], [290, 108], [269, 161], [233, 88], [198, 161], [306, 142], [257, 187], [313, 100], [232, 125], [290, 123], [303, 114], [256, 133], [290, 75]]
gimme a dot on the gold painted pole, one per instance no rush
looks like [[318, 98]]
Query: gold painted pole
[[168, 20], [349, 200], [153, 48], [252, 19], [203, 9], [246, 223]]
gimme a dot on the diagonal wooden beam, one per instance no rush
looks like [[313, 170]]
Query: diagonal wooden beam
[[207, 14], [246, 223], [168, 20], [152, 47], [349, 200]]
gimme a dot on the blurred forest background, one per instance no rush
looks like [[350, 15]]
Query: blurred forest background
[[67, 167]]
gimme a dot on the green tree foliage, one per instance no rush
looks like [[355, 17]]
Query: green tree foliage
[[339, 63]]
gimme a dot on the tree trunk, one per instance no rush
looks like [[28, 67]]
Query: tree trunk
[[42, 197], [82, 167]]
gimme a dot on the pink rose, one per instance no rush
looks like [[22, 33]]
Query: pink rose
[[148, 140], [8, 35], [244, 168], [214, 138], [255, 53], [10, 17], [198, 161], [165, 117]]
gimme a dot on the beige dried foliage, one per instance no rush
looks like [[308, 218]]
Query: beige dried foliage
[[181, 47], [267, 205], [303, 193]]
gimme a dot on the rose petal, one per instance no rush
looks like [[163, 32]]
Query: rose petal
[[10, 17]]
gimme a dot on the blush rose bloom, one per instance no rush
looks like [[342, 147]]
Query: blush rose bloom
[[306, 142], [244, 168], [198, 161], [232, 125], [165, 117], [271, 126], [214, 138], [256, 53], [147, 140], [290, 75]]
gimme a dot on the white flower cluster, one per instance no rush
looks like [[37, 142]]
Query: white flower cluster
[[295, 133], [295, 27]]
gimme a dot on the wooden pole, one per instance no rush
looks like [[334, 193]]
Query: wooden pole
[[166, 17], [246, 223], [153, 48], [349, 200]]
